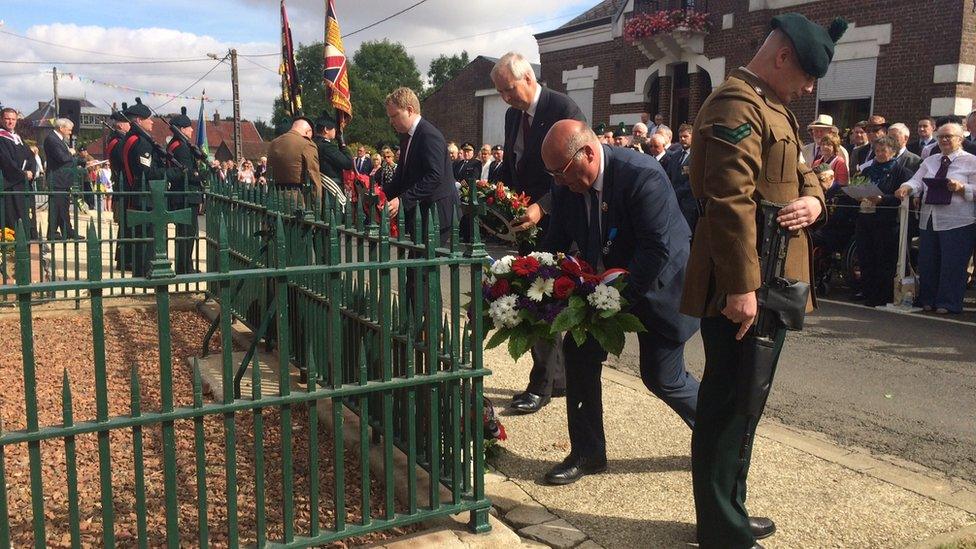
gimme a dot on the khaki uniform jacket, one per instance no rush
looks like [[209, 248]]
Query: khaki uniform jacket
[[291, 158], [745, 148]]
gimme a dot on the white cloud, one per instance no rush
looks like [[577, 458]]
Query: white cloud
[[424, 30]]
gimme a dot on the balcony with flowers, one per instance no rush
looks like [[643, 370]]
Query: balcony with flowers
[[668, 33]]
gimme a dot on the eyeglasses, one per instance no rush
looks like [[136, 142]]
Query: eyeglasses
[[947, 137], [562, 172]]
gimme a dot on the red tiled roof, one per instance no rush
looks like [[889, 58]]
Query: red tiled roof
[[217, 133]]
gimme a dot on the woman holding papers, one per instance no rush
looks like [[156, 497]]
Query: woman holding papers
[[876, 231], [947, 182]]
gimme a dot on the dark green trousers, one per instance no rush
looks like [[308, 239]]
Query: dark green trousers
[[719, 460]]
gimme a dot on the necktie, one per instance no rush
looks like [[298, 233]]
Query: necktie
[[684, 158], [593, 233], [943, 168], [524, 128]]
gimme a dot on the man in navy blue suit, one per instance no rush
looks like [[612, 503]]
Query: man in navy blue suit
[[677, 170], [632, 222], [423, 179]]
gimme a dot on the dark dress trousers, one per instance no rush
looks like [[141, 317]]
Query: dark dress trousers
[[677, 171], [527, 173], [61, 175], [652, 242], [187, 181], [876, 235], [15, 158]]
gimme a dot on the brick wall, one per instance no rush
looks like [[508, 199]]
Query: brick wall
[[454, 109], [924, 34]]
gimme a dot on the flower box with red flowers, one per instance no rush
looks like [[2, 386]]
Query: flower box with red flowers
[[534, 297], [645, 25]]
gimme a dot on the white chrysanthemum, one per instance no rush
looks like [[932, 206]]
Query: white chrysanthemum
[[545, 259], [503, 313], [540, 288], [502, 266], [605, 298]]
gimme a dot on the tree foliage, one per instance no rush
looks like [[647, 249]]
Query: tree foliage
[[375, 70], [444, 68]]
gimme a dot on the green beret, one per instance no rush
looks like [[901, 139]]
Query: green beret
[[138, 110], [814, 44], [600, 128], [621, 130], [181, 120], [325, 121]]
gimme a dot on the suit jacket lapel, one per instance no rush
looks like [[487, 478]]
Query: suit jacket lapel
[[606, 198]]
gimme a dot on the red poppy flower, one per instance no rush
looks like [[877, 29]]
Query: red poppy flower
[[490, 200], [525, 266], [563, 287], [502, 435], [500, 288]]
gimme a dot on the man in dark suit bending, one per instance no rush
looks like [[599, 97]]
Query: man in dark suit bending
[[533, 110], [423, 179], [632, 221]]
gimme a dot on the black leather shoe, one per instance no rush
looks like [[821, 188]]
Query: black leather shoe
[[574, 468], [529, 403], [518, 396], [761, 527]]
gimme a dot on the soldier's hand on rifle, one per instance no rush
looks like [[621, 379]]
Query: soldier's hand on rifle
[[533, 214], [741, 309], [800, 213]]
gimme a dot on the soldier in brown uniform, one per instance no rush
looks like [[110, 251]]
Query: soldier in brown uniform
[[745, 148], [294, 159]]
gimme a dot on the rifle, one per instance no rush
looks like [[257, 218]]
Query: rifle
[[161, 150], [782, 306], [177, 134]]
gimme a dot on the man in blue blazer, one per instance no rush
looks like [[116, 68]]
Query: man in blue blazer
[[423, 179], [677, 170], [632, 221]]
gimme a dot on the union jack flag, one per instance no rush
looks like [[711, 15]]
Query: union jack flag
[[336, 67]]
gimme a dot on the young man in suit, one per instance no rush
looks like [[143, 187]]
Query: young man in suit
[[18, 167], [498, 158], [632, 222], [61, 164], [677, 170], [926, 127], [423, 179], [533, 109]]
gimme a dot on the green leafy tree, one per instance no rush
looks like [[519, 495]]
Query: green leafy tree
[[444, 68], [265, 130], [377, 68]]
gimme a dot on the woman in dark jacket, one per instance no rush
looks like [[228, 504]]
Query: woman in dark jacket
[[876, 231]]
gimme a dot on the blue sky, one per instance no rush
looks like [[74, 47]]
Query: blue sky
[[112, 30]]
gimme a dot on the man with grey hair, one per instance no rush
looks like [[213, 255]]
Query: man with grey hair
[[903, 157], [669, 136], [62, 174], [533, 109], [617, 207], [657, 146]]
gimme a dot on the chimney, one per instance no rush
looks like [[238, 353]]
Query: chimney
[[216, 117]]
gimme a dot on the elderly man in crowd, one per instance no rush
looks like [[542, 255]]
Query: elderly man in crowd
[[657, 146], [967, 145], [62, 175], [948, 222], [857, 138], [669, 137], [900, 133]]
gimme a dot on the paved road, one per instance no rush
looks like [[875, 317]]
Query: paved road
[[903, 385]]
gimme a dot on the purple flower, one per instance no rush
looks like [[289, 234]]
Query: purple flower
[[552, 311], [587, 288], [548, 272]]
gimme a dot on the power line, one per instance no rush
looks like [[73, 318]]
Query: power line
[[385, 19], [259, 65], [488, 32], [160, 61], [39, 41], [195, 82]]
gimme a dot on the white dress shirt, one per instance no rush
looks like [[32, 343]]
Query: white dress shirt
[[485, 167], [959, 212], [413, 128], [519, 146], [598, 184]]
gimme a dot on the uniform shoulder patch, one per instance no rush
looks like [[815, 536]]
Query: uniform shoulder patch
[[732, 135]]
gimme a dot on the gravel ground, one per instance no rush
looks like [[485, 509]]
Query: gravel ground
[[63, 343]]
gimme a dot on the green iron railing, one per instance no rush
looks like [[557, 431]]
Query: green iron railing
[[326, 296], [60, 257]]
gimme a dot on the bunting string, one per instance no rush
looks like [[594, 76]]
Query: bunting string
[[88, 80]]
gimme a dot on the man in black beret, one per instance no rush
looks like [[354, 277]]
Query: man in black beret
[[333, 159], [189, 182], [745, 148], [141, 163]]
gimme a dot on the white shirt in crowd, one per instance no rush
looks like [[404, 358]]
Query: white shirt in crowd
[[519, 146], [484, 169], [958, 213]]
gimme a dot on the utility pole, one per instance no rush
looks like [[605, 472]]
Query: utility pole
[[57, 110], [238, 146]]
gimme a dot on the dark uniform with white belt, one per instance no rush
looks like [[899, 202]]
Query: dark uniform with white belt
[[187, 186], [746, 148]]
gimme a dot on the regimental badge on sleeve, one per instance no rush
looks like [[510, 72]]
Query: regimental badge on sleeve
[[146, 160], [732, 135]]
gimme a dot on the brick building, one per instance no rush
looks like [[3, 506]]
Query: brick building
[[467, 107], [901, 58]]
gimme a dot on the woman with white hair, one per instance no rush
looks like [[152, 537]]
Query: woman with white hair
[[947, 221]]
